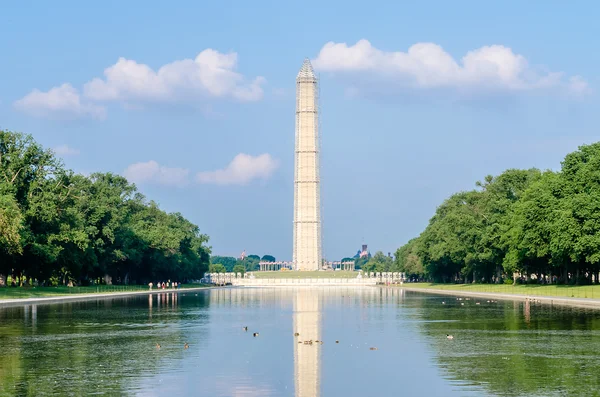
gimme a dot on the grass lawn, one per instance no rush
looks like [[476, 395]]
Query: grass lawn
[[298, 274], [41, 292], [568, 291]]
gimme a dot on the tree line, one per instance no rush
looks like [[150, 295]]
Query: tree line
[[224, 264], [57, 226], [519, 226], [228, 264]]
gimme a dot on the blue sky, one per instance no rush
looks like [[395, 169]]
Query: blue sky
[[438, 95]]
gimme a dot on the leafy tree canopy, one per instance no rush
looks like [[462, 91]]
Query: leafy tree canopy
[[521, 223], [58, 225]]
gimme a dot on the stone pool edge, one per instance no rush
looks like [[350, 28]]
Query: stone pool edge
[[92, 296], [552, 300]]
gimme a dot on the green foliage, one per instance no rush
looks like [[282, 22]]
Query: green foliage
[[251, 263], [359, 263], [228, 261], [217, 268], [11, 225], [520, 223], [408, 261], [268, 258], [378, 263], [57, 226], [239, 269]]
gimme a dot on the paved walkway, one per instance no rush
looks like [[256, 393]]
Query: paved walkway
[[554, 300], [90, 296]]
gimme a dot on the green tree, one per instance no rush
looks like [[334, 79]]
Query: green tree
[[251, 263], [57, 225], [217, 268], [11, 225], [268, 258], [408, 261], [532, 227], [228, 261], [378, 263], [359, 263], [239, 269], [543, 226]]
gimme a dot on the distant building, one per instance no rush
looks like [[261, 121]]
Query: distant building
[[363, 253]]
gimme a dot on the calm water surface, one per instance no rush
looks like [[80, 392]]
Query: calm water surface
[[109, 346]]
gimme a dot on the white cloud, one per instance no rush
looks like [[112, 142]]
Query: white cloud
[[210, 74], [427, 65], [243, 169], [61, 102], [65, 150], [154, 173]]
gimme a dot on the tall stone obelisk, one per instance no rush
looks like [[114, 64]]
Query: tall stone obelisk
[[307, 206]]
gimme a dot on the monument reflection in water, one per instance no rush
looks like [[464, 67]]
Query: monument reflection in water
[[307, 358]]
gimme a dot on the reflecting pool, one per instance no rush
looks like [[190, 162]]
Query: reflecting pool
[[366, 341]]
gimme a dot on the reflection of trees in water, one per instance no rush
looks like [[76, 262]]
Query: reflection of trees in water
[[108, 345], [80, 348], [511, 348]]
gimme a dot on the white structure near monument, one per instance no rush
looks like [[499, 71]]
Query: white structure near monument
[[307, 210]]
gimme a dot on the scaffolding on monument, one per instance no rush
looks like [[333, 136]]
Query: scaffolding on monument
[[306, 75], [318, 165]]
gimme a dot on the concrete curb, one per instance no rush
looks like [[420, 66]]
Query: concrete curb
[[552, 300], [92, 296]]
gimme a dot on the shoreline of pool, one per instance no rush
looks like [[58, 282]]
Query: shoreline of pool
[[93, 296], [590, 303]]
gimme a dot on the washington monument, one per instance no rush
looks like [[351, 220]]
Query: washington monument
[[307, 209]]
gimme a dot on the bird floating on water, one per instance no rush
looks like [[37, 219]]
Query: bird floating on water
[[255, 334], [186, 346], [372, 348], [449, 337], [337, 341], [245, 328]]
